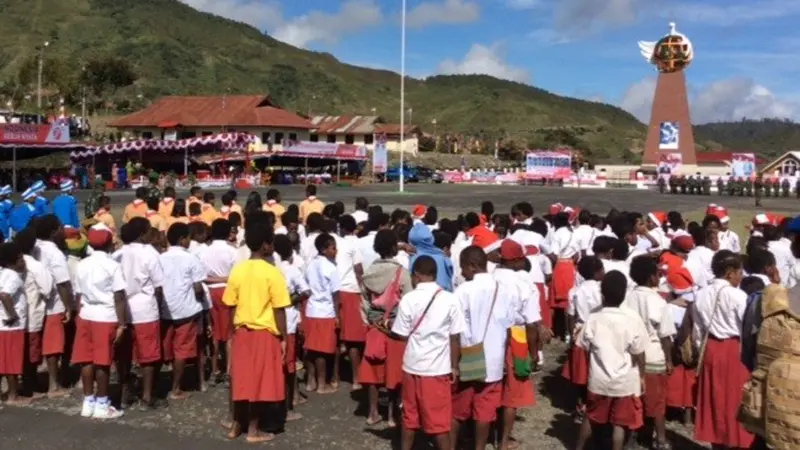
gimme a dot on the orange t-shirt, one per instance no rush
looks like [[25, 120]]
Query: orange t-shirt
[[190, 200], [310, 205], [107, 219], [157, 221], [166, 206], [209, 214], [277, 209], [173, 220], [136, 208]]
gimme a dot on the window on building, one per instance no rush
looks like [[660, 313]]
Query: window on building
[[369, 139], [207, 133], [265, 137], [349, 139], [790, 166], [187, 134], [279, 138], [147, 135], [293, 137], [331, 138], [313, 137]]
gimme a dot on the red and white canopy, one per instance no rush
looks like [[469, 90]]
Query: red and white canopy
[[224, 141], [295, 149]]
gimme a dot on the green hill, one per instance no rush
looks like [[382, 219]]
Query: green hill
[[136, 51], [769, 138]]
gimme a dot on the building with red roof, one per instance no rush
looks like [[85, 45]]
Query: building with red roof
[[362, 130]]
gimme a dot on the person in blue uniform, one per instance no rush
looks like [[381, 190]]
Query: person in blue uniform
[[23, 213], [6, 205], [41, 204], [65, 207]]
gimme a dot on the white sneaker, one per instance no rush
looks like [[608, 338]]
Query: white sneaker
[[88, 408], [106, 412]]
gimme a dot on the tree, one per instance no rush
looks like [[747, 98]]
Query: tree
[[107, 75]]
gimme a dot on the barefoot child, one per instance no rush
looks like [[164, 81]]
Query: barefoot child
[[183, 306], [431, 321], [348, 262], [322, 314], [101, 323], [616, 340], [13, 316], [257, 292]]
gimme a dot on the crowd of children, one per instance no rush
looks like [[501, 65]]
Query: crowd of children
[[449, 317]]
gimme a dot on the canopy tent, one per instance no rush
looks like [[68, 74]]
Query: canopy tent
[[298, 150], [234, 141]]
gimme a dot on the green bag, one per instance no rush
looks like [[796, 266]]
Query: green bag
[[472, 364]]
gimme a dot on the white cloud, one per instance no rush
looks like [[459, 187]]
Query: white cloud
[[523, 4], [587, 16], [724, 100], [443, 12], [485, 60], [731, 12], [315, 26]]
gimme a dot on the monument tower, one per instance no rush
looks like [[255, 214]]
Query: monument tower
[[670, 127]]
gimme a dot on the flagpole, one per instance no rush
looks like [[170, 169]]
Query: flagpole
[[402, 96]]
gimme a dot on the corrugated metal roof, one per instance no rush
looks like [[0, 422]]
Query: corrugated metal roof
[[215, 111], [394, 128], [345, 124]]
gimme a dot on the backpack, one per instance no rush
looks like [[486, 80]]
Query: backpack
[[391, 295], [751, 323]]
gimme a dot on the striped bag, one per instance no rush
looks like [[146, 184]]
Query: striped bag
[[520, 356], [472, 364]]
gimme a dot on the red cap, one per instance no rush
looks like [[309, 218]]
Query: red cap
[[419, 211], [680, 281], [555, 208], [711, 208], [511, 251], [683, 243], [761, 219], [658, 217], [484, 240], [99, 238]]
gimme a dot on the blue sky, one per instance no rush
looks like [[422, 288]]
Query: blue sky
[[746, 52]]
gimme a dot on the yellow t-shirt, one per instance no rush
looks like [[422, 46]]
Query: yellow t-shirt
[[309, 206], [256, 288], [276, 209]]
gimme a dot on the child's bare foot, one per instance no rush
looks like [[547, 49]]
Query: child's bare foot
[[327, 389], [180, 395], [291, 416], [391, 423], [226, 423], [299, 400], [57, 393], [357, 387], [234, 431], [311, 386], [335, 384], [259, 437], [374, 420], [18, 401], [38, 395]]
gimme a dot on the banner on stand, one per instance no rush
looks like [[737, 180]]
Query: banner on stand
[[743, 165], [380, 155], [669, 163], [549, 165], [32, 134]]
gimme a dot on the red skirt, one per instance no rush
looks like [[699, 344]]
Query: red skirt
[[563, 281], [681, 388], [619, 411], [34, 342], [517, 392], [221, 320], [372, 372], [256, 367], [655, 395], [291, 353], [576, 368], [719, 392], [320, 335], [353, 327], [395, 350], [544, 305], [12, 352], [53, 335]]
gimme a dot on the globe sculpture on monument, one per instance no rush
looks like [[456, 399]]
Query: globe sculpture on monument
[[670, 136]]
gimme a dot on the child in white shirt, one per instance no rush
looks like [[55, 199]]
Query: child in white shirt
[[13, 317]]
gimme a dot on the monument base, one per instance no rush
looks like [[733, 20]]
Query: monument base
[[670, 105]]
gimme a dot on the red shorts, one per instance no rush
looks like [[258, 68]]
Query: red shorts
[[681, 388], [395, 349], [563, 281], [94, 342], [179, 339], [544, 305], [619, 411], [353, 327], [291, 353], [478, 401], [576, 368], [320, 335], [517, 392], [146, 342], [221, 316], [371, 372], [12, 352], [427, 403], [53, 335], [256, 367], [34, 342], [655, 394]]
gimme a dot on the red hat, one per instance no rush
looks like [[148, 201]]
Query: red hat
[[511, 251], [722, 214], [484, 240], [419, 211], [775, 219], [683, 243], [573, 213], [555, 208], [99, 238], [711, 208], [761, 219], [658, 217], [680, 281]]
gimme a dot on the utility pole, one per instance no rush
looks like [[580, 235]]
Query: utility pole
[[83, 100], [39, 82]]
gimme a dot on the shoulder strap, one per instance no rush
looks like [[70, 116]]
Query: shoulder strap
[[704, 343], [424, 312], [491, 309]]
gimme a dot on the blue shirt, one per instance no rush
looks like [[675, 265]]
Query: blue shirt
[[42, 207], [5, 213], [65, 207], [421, 238], [21, 216]]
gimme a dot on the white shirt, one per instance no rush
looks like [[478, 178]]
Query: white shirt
[[455, 258], [323, 282], [729, 240], [301, 231], [48, 253], [584, 237], [585, 299], [476, 298], [365, 247], [727, 320], [347, 257], [428, 349], [218, 258], [402, 258], [181, 271], [360, 216], [620, 266], [39, 288], [11, 283], [635, 250], [98, 278], [563, 243], [611, 336], [527, 309], [297, 285], [308, 249], [143, 274], [700, 258], [784, 259], [657, 318]]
